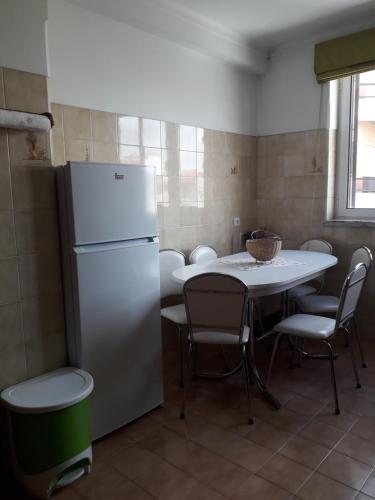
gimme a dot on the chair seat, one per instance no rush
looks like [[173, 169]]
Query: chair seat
[[307, 326], [301, 291], [176, 314], [221, 338], [328, 304]]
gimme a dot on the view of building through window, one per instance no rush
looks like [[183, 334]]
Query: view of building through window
[[362, 192]]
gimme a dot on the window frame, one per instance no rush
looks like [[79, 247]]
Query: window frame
[[346, 144]]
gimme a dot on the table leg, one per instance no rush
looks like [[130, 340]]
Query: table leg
[[253, 369]]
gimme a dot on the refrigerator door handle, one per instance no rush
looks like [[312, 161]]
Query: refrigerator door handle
[[117, 245]]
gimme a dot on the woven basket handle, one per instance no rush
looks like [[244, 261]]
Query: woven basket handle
[[262, 233]]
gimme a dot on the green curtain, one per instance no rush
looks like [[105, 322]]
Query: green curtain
[[345, 56]]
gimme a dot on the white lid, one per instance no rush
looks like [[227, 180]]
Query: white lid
[[49, 392]]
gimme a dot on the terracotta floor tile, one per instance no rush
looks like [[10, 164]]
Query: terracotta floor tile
[[243, 452], [192, 489], [288, 420], [258, 488], [102, 482], [207, 467], [345, 469], [135, 461], [304, 406], [162, 480], [344, 421], [140, 429], [357, 448], [111, 444], [323, 434], [285, 473], [369, 486], [362, 496], [304, 452], [66, 493], [268, 435], [319, 487], [365, 428]]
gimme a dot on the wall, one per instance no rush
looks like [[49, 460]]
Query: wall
[[289, 98], [31, 313], [98, 63], [204, 177], [295, 164], [23, 35]]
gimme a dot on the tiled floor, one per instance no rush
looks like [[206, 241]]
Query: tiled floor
[[300, 451]]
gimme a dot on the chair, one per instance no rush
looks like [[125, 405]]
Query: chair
[[305, 326], [169, 261], [216, 310], [311, 246], [202, 253], [328, 304]]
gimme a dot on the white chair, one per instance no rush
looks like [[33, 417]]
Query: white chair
[[308, 289], [216, 310], [305, 326], [169, 261], [329, 304], [202, 253]]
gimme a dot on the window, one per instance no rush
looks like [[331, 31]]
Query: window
[[356, 147]]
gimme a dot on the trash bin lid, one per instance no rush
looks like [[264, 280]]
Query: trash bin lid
[[49, 392]]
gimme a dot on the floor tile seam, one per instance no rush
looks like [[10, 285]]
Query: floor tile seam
[[372, 470], [191, 475], [341, 482], [278, 485]]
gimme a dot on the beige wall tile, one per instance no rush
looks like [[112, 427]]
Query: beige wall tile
[[42, 316], [5, 188], [188, 164], [11, 326], [37, 231], [25, 91], [7, 238], [130, 154], [9, 288], [105, 152], [58, 150], [151, 133], [152, 157], [57, 113], [40, 274], [13, 365], [169, 136], [104, 127], [188, 138], [33, 186], [78, 150], [129, 130], [46, 355], [77, 123], [28, 146], [2, 95], [170, 162]]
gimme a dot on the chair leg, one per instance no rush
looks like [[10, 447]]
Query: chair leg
[[180, 354], [347, 334], [227, 369], [300, 351], [272, 359], [333, 377], [186, 380], [246, 374], [195, 360], [356, 333]]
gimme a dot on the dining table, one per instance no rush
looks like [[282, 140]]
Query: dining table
[[287, 270]]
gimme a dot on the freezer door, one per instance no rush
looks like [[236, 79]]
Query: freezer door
[[109, 202], [118, 336]]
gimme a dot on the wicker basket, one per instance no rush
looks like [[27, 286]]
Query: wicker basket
[[265, 248]]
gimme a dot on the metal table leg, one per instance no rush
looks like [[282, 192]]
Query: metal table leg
[[253, 369]]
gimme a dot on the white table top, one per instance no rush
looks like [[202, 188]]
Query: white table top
[[291, 268]]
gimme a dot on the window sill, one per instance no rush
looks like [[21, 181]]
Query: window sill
[[350, 223]]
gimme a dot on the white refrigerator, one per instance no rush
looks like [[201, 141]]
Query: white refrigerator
[[112, 286]]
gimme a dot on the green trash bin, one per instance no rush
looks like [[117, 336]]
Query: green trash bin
[[49, 429]]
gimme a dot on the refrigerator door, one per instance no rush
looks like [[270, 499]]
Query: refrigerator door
[[108, 202], [118, 337]]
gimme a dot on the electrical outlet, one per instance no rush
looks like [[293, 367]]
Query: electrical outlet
[[236, 221]]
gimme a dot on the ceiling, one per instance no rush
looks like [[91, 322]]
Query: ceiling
[[268, 23], [242, 32]]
